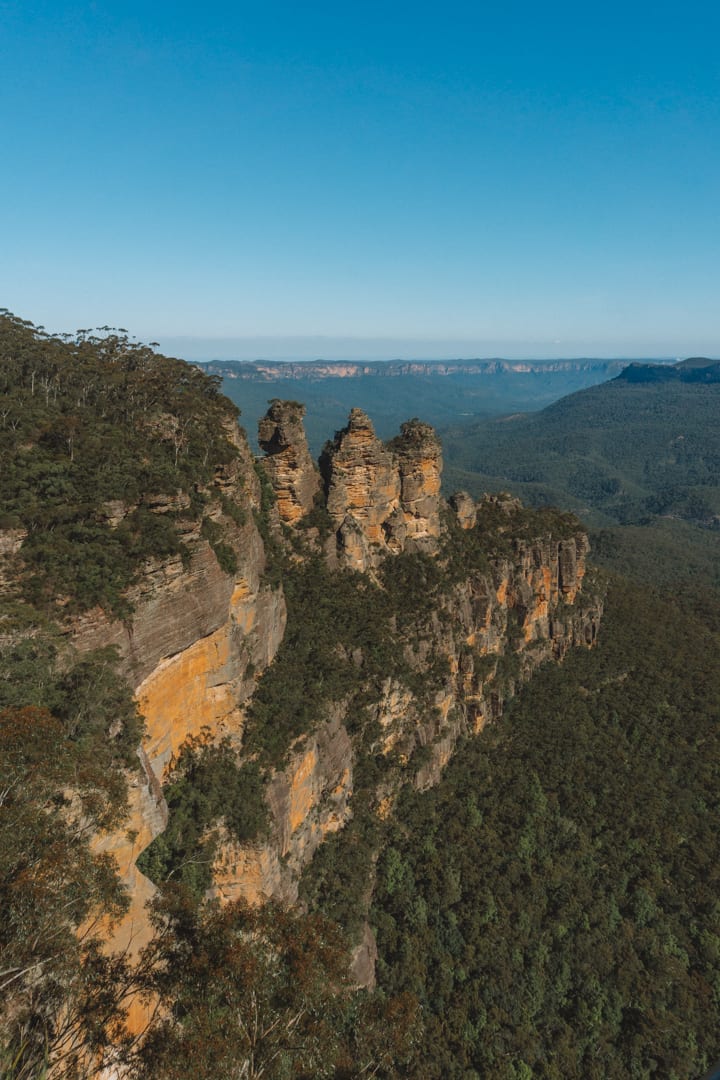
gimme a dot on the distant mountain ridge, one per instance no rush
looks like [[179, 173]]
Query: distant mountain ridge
[[696, 369], [271, 370]]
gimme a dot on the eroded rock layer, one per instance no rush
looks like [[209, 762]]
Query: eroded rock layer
[[382, 499], [193, 648], [291, 470]]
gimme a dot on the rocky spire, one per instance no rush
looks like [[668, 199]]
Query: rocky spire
[[290, 468], [420, 464], [382, 499]]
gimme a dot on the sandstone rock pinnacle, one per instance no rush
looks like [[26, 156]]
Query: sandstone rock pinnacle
[[382, 499], [290, 468]]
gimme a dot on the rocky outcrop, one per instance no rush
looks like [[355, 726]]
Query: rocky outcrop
[[490, 632], [291, 470], [419, 459], [465, 509], [463, 659], [363, 492], [308, 799], [382, 499]]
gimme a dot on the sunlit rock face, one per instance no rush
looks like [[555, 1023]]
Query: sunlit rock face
[[419, 458], [308, 799], [382, 499], [290, 469], [192, 650], [363, 492]]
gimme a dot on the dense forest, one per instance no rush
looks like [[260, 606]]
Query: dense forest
[[554, 901]]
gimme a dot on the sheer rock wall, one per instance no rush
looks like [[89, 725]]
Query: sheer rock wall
[[192, 650]]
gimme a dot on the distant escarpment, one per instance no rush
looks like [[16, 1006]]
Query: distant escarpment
[[273, 370], [302, 640]]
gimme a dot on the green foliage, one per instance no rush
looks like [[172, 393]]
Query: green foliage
[[553, 902], [338, 881], [55, 791], [87, 695], [336, 621], [205, 785], [318, 518], [226, 557], [263, 993], [273, 548], [88, 421]]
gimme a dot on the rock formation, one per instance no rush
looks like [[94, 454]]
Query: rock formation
[[290, 468], [465, 509], [382, 499], [192, 650], [419, 458]]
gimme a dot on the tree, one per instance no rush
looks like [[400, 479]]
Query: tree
[[54, 796], [252, 993]]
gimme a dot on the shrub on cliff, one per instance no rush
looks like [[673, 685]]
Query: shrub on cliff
[[69, 729], [205, 786], [55, 793]]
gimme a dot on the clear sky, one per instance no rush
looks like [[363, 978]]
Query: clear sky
[[400, 179]]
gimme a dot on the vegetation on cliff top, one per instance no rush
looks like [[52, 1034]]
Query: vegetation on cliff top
[[91, 420]]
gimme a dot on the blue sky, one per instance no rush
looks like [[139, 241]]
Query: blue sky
[[390, 179]]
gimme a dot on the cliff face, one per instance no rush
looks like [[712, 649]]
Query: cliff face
[[272, 370], [308, 800], [193, 648], [487, 634]]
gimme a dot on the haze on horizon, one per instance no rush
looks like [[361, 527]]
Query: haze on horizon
[[334, 181], [360, 350]]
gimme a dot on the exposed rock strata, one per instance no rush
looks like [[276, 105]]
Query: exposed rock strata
[[292, 472], [308, 799], [197, 639], [382, 499]]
